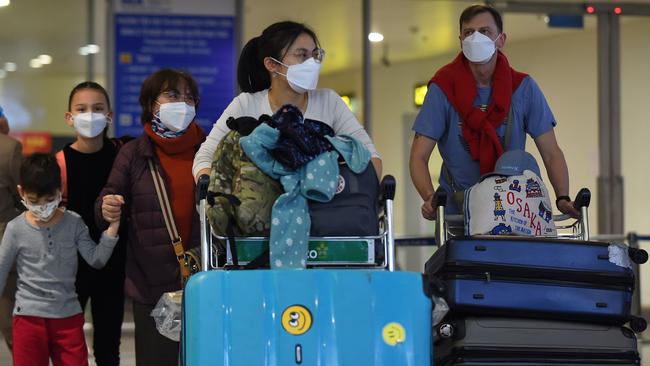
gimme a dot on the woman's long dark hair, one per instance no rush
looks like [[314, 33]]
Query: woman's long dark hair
[[252, 76]]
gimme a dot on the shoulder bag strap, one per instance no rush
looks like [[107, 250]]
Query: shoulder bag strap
[[168, 215]]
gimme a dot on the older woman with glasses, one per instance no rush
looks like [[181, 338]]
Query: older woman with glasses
[[279, 67], [166, 149]]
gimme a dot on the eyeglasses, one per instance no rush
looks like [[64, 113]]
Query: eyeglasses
[[318, 54], [174, 96]]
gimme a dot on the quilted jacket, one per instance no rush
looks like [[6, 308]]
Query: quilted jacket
[[151, 266]]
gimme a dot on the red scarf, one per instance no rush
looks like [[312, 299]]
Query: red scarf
[[479, 128], [176, 156]]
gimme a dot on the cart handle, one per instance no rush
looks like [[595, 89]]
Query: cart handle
[[202, 187]]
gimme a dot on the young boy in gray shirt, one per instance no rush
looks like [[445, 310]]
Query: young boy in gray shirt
[[48, 321]]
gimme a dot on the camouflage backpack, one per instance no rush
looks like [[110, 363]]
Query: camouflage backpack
[[243, 194]]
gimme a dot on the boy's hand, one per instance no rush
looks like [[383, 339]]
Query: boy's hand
[[113, 228], [112, 208]]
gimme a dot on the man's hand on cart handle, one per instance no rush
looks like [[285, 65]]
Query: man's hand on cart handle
[[572, 208], [567, 207], [431, 204], [428, 209]]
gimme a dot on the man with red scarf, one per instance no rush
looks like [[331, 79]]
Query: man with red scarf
[[476, 108]]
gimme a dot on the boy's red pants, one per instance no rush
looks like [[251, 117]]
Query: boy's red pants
[[37, 339]]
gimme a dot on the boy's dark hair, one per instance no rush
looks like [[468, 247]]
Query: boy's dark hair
[[252, 76], [40, 174], [88, 85], [475, 10], [164, 80]]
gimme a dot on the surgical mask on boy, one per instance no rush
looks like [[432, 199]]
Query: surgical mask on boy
[[479, 48], [302, 77], [176, 116], [89, 124], [43, 212]]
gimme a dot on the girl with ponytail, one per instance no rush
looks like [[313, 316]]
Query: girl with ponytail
[[278, 67]]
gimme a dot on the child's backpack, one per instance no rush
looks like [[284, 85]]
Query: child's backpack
[[509, 205]]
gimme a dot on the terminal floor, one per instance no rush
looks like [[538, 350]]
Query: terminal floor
[[128, 351]]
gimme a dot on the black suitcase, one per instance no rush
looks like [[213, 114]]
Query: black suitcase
[[512, 341]]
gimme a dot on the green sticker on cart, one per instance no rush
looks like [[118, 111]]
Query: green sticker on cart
[[320, 251]]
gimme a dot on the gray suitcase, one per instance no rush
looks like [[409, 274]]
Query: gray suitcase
[[486, 341]]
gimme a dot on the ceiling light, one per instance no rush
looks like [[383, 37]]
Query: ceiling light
[[3, 74], [92, 48], [45, 59], [35, 63], [375, 37], [4, 3], [10, 66], [89, 49]]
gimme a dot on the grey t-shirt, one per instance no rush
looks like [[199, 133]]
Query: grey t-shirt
[[46, 261]]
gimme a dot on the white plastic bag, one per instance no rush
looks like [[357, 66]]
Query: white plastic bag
[[618, 254], [167, 315], [440, 309]]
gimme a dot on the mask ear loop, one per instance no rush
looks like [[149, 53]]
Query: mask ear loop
[[281, 63]]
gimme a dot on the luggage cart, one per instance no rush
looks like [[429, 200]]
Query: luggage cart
[[560, 278], [448, 225], [376, 251], [338, 311], [533, 300]]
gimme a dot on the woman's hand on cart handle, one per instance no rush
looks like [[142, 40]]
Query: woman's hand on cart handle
[[202, 187]]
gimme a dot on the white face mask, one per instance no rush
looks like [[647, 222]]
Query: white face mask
[[479, 48], [176, 116], [302, 77], [44, 212], [89, 124]]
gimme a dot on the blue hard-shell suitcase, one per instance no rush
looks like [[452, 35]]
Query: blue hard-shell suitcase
[[528, 277], [310, 317], [543, 254]]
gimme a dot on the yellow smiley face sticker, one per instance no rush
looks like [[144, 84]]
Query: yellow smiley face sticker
[[296, 319], [393, 333]]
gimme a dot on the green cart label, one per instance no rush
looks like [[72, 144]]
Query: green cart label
[[320, 251]]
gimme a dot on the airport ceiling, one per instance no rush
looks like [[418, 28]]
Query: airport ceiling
[[413, 29]]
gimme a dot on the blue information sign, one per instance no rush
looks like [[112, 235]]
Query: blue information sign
[[204, 46]]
